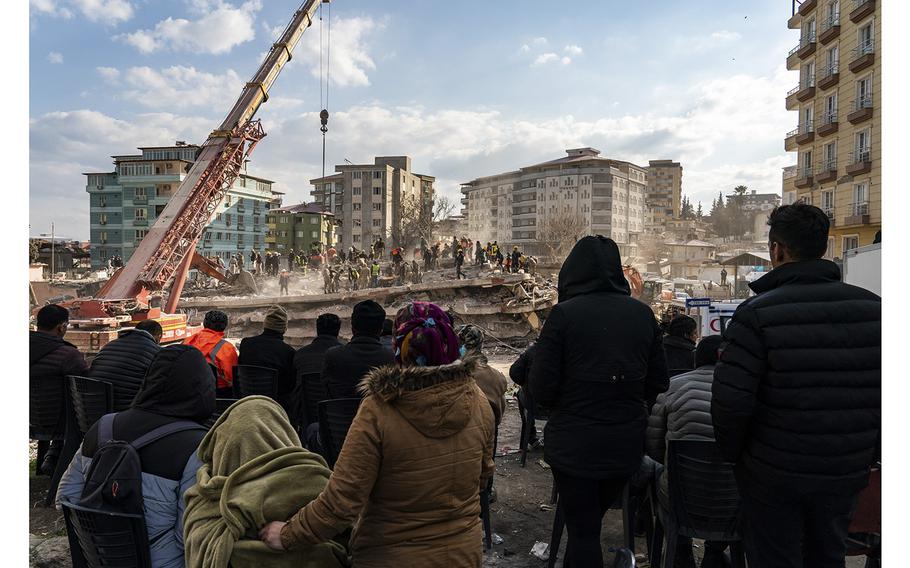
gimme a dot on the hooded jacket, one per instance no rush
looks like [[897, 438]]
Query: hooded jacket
[[179, 386], [797, 390], [410, 470], [253, 472], [680, 353], [123, 363], [52, 358], [598, 363]]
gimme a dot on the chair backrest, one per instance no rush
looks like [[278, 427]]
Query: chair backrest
[[674, 372], [105, 539], [250, 380], [91, 399], [313, 391], [45, 408], [704, 498], [221, 404], [335, 418]]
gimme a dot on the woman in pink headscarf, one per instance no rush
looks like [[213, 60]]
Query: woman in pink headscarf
[[414, 460]]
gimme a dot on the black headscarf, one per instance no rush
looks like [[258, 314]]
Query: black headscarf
[[179, 383], [592, 266]]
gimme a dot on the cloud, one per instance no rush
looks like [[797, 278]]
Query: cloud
[[178, 87], [220, 28], [698, 44], [539, 41], [55, 58], [350, 60], [525, 48], [109, 74], [545, 58], [109, 12], [49, 8], [565, 60], [724, 35], [573, 50]]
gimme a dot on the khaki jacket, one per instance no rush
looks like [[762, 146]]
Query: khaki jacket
[[409, 473]]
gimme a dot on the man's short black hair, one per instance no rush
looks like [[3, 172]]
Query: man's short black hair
[[50, 316], [328, 324], [388, 327], [706, 352], [682, 326], [367, 318], [215, 320], [151, 326], [802, 228]]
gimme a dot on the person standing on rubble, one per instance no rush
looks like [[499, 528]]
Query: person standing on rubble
[[284, 278], [374, 274], [459, 261], [796, 397], [516, 258], [599, 364]]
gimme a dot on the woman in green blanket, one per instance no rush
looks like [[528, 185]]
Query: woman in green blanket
[[254, 471]]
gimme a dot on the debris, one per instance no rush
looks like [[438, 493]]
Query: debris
[[496, 539], [546, 507], [543, 464], [540, 550]]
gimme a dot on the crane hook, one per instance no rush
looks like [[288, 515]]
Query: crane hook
[[324, 118]]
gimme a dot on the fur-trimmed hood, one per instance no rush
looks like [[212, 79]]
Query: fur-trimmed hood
[[435, 400]]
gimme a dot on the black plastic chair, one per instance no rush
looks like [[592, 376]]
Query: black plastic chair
[[91, 399], [100, 538], [526, 424], [674, 372], [865, 531], [250, 380], [221, 405], [45, 410], [485, 493], [703, 502], [335, 418], [312, 392]]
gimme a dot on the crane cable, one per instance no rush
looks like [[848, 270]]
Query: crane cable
[[324, 77]]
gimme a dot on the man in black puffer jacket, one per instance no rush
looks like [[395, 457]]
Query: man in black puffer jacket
[[124, 361], [797, 398], [597, 364]]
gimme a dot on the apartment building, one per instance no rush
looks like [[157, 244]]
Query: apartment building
[[664, 195], [604, 195], [300, 227], [123, 204], [370, 200], [838, 136]]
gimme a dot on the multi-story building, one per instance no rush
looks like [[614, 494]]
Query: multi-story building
[[372, 201], [838, 136], [126, 202], [604, 196], [664, 194], [301, 227], [788, 180]]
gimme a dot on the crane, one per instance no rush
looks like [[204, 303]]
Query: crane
[[166, 254]]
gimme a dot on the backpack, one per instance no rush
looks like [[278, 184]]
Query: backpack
[[114, 479]]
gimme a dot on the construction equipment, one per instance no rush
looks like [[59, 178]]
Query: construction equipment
[[635, 282], [166, 254]]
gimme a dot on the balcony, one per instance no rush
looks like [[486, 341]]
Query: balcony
[[791, 102], [859, 214], [806, 133], [804, 177], [863, 56], [860, 162], [807, 89], [830, 28], [790, 140], [829, 124], [829, 212], [140, 199], [830, 78], [140, 222], [807, 45], [827, 171], [862, 110], [861, 9], [807, 6]]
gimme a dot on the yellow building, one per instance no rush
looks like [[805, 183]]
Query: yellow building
[[838, 133]]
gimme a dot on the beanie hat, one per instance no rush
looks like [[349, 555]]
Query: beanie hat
[[276, 319], [215, 320], [471, 337], [367, 318]]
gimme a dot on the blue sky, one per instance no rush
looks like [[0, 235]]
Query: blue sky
[[467, 88]]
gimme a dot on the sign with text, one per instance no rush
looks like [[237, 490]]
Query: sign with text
[[698, 303]]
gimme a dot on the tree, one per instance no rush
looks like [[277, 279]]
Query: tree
[[418, 218], [443, 207], [559, 232], [698, 212], [652, 248], [687, 211]]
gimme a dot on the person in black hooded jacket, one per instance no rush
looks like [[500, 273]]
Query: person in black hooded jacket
[[179, 386], [679, 344], [598, 364], [796, 398], [124, 361]]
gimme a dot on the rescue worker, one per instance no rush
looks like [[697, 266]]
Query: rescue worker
[[219, 353], [374, 274]]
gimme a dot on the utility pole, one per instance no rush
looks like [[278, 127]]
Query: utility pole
[[53, 264]]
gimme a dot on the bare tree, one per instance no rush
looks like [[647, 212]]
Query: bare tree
[[443, 207], [559, 233], [415, 222], [652, 248]]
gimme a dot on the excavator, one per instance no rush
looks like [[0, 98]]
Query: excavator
[[167, 253]]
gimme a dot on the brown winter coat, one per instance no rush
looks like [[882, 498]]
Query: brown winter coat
[[494, 385], [409, 473]]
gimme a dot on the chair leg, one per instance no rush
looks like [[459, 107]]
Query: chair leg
[[628, 518], [43, 446], [72, 438], [485, 518], [672, 535], [556, 537], [554, 494], [525, 437], [655, 550], [737, 555]]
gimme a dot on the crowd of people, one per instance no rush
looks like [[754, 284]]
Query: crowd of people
[[790, 394]]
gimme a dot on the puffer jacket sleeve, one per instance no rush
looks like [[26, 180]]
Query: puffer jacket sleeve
[[73, 479], [349, 487], [74, 362], [657, 380], [186, 481], [519, 370], [739, 371], [547, 368], [656, 434]]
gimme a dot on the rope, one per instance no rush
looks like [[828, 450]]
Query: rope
[[487, 333]]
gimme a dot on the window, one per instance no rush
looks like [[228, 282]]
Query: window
[[358, 175], [806, 169], [227, 201], [377, 207], [829, 252], [140, 192], [830, 156], [808, 31], [356, 206], [356, 238], [377, 174], [299, 234], [860, 199], [282, 220], [864, 42], [355, 191], [828, 203], [314, 234], [377, 222], [831, 108], [862, 146], [807, 113], [851, 242], [227, 219], [140, 234], [102, 218], [141, 214], [833, 13], [314, 220], [377, 191], [218, 236], [864, 93], [831, 59], [102, 237], [808, 75]]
